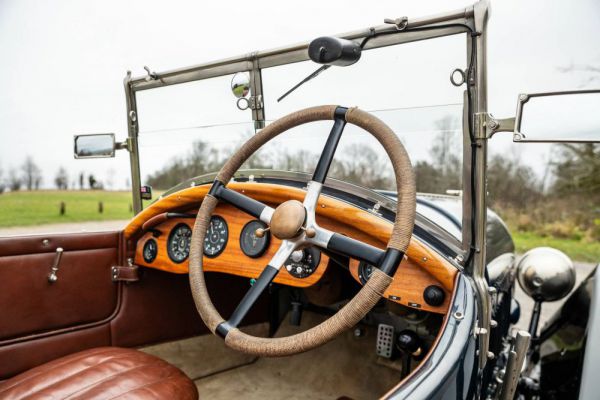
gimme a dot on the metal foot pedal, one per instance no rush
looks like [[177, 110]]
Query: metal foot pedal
[[385, 340]]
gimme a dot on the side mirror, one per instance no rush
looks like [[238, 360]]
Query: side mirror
[[570, 116], [240, 84], [99, 145]]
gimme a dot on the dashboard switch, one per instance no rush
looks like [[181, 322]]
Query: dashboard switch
[[434, 295]]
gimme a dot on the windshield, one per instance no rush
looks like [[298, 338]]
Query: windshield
[[191, 129]]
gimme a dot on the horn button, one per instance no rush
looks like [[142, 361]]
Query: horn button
[[288, 219]]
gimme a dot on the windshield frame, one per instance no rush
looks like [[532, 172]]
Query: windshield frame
[[471, 20]]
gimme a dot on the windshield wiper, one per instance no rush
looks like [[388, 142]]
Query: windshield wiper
[[303, 81]]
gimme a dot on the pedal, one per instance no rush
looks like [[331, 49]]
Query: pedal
[[385, 340]]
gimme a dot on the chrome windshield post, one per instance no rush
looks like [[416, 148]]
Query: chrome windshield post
[[134, 153], [475, 199]]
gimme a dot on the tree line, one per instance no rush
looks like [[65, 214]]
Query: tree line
[[563, 203], [28, 176]]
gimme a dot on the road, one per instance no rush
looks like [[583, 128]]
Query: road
[[72, 227]]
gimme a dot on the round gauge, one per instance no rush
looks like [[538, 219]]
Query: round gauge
[[150, 250], [365, 271], [216, 237], [252, 245], [302, 263], [178, 245]]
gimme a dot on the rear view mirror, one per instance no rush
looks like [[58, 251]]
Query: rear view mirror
[[330, 50], [99, 145], [558, 117]]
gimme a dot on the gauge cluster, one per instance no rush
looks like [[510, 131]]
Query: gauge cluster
[[234, 244]]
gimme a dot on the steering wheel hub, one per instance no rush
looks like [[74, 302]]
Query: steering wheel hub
[[288, 219]]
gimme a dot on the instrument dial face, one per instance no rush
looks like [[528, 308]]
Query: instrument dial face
[[150, 250], [216, 237], [365, 271], [252, 245], [178, 245], [302, 263]]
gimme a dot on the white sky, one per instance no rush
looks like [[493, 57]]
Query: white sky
[[63, 63]]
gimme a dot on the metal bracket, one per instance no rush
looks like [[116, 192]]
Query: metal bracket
[[486, 125], [255, 102], [401, 23], [152, 75], [375, 209], [126, 144]]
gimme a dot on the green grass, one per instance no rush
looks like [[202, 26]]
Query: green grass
[[578, 250], [42, 207]]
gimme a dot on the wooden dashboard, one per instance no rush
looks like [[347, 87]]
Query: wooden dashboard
[[421, 267]]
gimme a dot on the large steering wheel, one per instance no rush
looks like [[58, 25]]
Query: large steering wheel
[[294, 223]]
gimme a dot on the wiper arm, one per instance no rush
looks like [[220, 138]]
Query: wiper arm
[[303, 81]]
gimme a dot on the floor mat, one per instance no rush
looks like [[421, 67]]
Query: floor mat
[[204, 355], [344, 368]]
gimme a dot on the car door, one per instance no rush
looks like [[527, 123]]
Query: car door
[[42, 318]]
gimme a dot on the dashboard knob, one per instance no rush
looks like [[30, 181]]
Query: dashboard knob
[[298, 270], [297, 256], [434, 295], [288, 267]]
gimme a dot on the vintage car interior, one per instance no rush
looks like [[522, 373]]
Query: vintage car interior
[[336, 295]]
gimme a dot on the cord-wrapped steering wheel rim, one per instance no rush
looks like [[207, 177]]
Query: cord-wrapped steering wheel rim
[[370, 293]]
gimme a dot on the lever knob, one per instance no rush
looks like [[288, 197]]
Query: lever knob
[[434, 295], [410, 342]]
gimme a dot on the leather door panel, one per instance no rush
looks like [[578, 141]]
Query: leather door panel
[[83, 294]]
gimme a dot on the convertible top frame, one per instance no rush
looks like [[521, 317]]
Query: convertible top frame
[[471, 20]]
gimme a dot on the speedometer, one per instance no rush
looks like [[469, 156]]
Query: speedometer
[[216, 237], [178, 246]]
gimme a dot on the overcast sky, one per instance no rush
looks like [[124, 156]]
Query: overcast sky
[[63, 63]]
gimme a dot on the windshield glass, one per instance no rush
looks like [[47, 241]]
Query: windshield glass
[[191, 129]]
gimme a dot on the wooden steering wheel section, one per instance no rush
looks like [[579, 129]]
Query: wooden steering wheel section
[[420, 268]]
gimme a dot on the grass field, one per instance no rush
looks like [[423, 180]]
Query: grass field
[[578, 250], [42, 207]]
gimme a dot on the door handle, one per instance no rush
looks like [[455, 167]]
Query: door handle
[[52, 276]]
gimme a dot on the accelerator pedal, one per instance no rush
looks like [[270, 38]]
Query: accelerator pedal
[[385, 340]]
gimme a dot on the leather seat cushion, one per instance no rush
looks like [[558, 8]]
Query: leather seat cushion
[[102, 373]]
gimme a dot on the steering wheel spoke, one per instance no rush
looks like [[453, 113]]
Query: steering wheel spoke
[[328, 152], [356, 249], [242, 202], [260, 285]]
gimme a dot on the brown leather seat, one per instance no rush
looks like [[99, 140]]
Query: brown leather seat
[[102, 373]]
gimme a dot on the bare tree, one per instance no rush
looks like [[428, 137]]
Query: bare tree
[[92, 181], [109, 180], [62, 179], [32, 175], [14, 180], [446, 153]]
